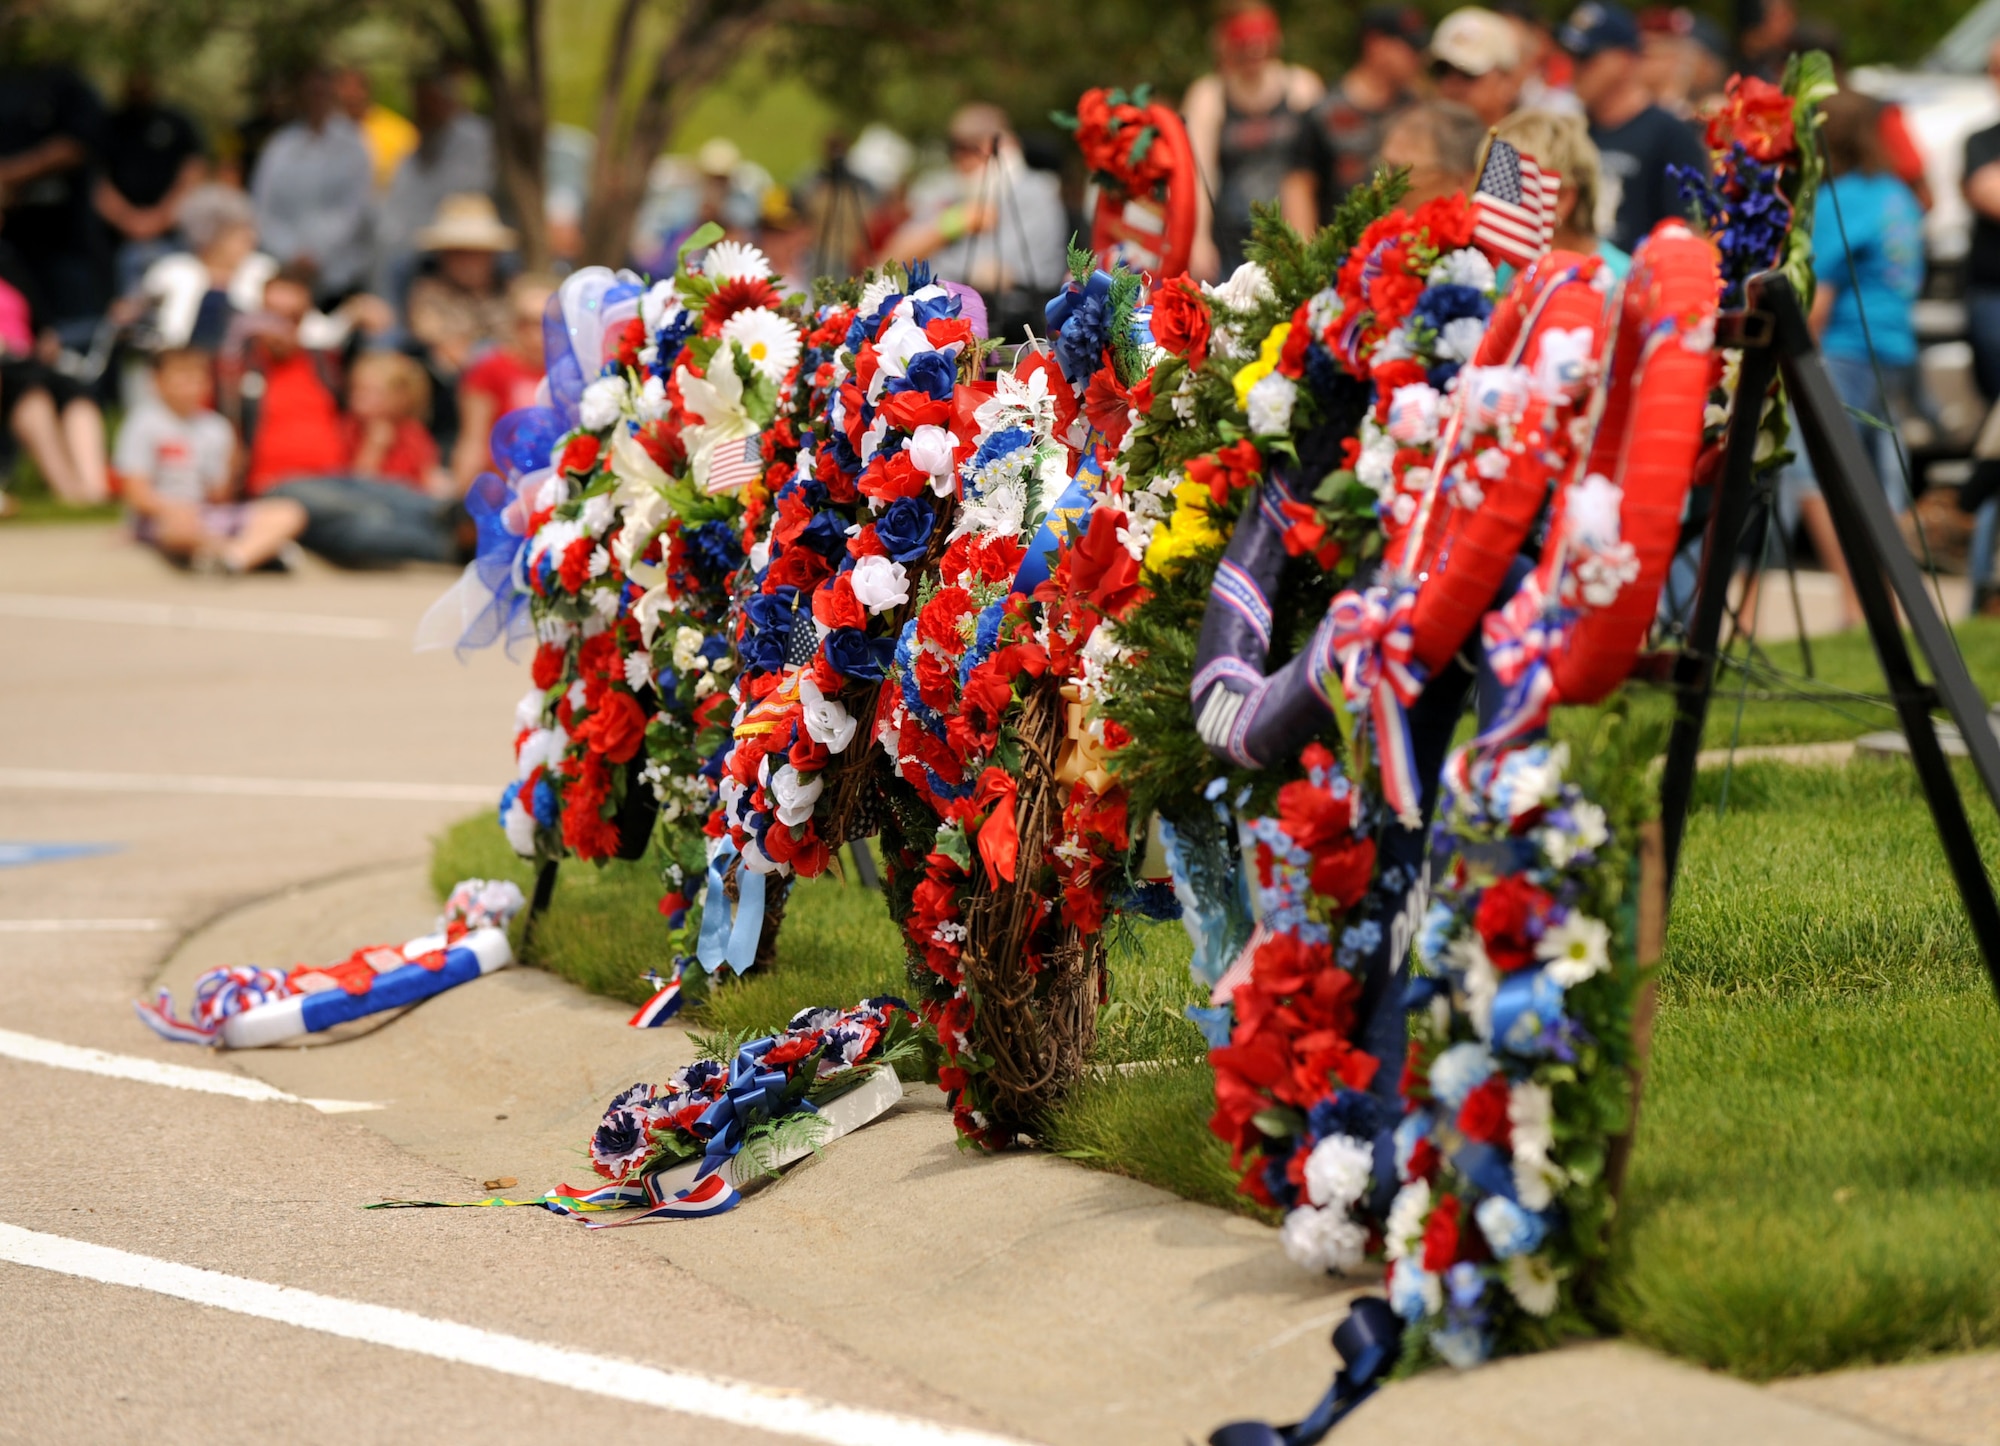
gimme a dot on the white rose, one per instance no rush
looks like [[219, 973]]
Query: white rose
[[796, 796], [879, 584], [603, 401], [827, 721], [930, 448]]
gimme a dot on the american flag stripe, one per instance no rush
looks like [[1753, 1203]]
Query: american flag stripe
[[736, 464]]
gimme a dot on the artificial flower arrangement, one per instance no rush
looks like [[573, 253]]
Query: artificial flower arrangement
[[1519, 1076], [1022, 836], [749, 1099], [863, 516], [1297, 1100], [1756, 203]]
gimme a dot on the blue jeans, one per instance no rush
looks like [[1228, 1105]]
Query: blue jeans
[[353, 522], [1854, 380], [1982, 318]]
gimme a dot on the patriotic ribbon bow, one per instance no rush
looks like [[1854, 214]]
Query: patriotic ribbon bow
[[752, 1096], [1368, 639], [1520, 639]]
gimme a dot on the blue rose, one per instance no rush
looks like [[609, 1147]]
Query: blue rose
[[930, 372], [547, 814], [826, 534], [714, 550], [772, 611], [858, 656], [904, 529]]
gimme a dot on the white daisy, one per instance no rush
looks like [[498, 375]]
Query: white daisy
[[1577, 949], [770, 342], [735, 261]]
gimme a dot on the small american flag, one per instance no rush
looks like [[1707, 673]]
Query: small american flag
[[1514, 206], [734, 465]]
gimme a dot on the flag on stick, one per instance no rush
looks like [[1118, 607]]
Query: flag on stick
[[1514, 206]]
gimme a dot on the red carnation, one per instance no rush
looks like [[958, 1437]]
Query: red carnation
[[834, 606], [580, 454], [1483, 1116], [1343, 872], [1509, 921], [627, 340], [1441, 1235], [574, 568], [548, 665], [734, 296]]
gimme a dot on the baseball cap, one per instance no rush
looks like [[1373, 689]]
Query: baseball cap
[[1404, 22], [1597, 26], [1474, 41]]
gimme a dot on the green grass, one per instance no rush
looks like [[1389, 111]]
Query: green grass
[[603, 931]]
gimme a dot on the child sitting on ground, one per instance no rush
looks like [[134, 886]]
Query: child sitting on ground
[[388, 395], [175, 457]]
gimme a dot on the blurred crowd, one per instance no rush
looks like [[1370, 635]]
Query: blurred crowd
[[309, 337]]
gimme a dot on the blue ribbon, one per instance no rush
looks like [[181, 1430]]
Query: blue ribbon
[[565, 372], [1367, 1342], [723, 940], [1486, 1167], [1065, 302], [1072, 507], [1527, 1005], [752, 1096]]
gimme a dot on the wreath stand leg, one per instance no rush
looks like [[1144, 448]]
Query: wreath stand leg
[[1773, 336], [545, 888]]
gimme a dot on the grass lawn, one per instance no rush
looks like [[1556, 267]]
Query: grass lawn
[[1817, 1179]]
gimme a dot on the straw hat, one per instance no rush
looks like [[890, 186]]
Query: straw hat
[[467, 222]]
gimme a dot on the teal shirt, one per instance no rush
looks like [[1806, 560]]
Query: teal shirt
[[1884, 241]]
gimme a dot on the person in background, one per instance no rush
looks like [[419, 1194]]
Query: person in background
[[196, 294], [1868, 265], [1245, 121], [51, 124], [281, 394], [502, 380], [1338, 143], [458, 306], [1636, 141], [1667, 58], [153, 158], [175, 460], [388, 136], [1710, 72], [315, 194], [1545, 68], [1982, 268], [51, 414], [388, 398], [1561, 143], [1764, 37], [1438, 143], [988, 221], [389, 501], [453, 156], [1899, 147], [1476, 62]]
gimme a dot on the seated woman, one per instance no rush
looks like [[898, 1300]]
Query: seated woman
[[53, 415], [502, 380]]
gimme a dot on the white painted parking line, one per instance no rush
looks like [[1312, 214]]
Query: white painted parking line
[[57, 1055], [82, 926], [54, 608], [70, 780], [713, 1398]]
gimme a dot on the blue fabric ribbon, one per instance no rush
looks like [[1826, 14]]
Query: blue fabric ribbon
[[723, 940], [1527, 1005], [1367, 1342], [1065, 302], [1073, 507], [565, 372], [752, 1096]]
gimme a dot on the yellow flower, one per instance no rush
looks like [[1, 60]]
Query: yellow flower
[[1266, 363], [1188, 528]]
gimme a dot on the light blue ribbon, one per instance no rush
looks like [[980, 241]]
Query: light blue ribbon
[[723, 941]]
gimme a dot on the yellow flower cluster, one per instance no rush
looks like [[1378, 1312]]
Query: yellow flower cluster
[[1188, 528], [1266, 363]]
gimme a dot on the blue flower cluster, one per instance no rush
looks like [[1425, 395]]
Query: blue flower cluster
[[1747, 215]]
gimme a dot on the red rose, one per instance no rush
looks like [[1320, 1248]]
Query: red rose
[[1441, 1236], [617, 728], [943, 331], [1423, 1160], [891, 477], [798, 567], [1180, 320], [1483, 1116], [907, 411], [1509, 921], [1311, 815]]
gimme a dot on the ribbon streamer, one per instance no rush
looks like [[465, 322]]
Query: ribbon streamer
[[1367, 640], [1367, 1342], [723, 940]]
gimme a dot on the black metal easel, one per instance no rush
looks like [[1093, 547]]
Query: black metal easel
[[1774, 340]]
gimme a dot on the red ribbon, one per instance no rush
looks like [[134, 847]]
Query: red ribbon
[[999, 841]]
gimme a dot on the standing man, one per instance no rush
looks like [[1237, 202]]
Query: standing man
[[1244, 120], [1343, 132], [453, 157], [1636, 140], [1982, 265], [1476, 62], [387, 135], [315, 194], [51, 126], [153, 157]]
